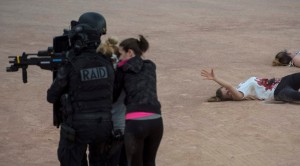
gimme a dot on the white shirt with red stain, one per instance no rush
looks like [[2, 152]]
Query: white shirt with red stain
[[258, 88]]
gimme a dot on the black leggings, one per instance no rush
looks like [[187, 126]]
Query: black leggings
[[288, 88], [142, 139]]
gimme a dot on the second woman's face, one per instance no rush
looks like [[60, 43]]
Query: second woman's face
[[125, 55]]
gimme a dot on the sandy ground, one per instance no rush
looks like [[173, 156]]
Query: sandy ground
[[238, 38]]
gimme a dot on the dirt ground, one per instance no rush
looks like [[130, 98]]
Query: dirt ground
[[238, 38]]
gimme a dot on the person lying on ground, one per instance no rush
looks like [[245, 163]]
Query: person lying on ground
[[284, 89], [286, 58]]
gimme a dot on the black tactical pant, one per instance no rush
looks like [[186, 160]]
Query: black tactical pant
[[93, 134]]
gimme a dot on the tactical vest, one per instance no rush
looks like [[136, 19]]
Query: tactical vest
[[91, 83]]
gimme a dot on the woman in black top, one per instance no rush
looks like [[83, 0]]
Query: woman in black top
[[144, 126]]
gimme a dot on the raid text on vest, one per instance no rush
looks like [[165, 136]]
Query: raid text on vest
[[93, 73]]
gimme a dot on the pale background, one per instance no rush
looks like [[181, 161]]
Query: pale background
[[238, 38]]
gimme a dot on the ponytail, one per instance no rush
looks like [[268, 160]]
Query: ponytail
[[138, 46], [143, 44]]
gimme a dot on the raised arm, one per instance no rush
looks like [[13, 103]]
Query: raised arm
[[236, 95]]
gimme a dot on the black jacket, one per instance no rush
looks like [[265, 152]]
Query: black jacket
[[138, 78]]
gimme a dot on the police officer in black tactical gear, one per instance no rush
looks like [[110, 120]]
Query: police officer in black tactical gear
[[84, 86]]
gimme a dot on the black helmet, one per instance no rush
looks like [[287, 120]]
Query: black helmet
[[95, 21]]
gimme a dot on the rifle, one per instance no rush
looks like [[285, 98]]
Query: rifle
[[50, 59]]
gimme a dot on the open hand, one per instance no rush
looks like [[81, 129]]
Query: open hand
[[208, 75]]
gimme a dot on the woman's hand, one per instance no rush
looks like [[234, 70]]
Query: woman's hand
[[208, 75], [235, 94]]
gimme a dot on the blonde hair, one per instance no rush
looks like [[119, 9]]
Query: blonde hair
[[109, 47]]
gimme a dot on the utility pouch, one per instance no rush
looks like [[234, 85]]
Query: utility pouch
[[66, 104], [67, 132]]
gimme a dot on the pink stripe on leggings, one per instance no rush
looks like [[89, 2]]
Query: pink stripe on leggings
[[135, 115]]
